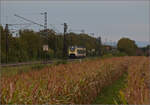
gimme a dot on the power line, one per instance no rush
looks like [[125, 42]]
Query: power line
[[29, 20], [54, 28], [82, 30]]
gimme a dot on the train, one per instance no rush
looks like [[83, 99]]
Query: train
[[76, 52]]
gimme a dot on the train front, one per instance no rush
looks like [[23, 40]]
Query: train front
[[72, 52]]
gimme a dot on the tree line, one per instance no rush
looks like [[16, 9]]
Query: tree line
[[29, 45]]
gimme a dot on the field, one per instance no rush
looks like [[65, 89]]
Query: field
[[79, 82]]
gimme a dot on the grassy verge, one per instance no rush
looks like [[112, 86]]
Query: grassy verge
[[9, 71], [111, 92]]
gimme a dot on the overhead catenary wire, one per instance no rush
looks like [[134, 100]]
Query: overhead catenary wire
[[29, 20]]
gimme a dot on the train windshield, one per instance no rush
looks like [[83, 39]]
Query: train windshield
[[72, 49]]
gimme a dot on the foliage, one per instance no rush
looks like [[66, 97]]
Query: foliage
[[119, 54], [128, 46], [28, 46], [145, 50], [108, 55]]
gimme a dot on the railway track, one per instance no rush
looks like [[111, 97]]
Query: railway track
[[36, 62]]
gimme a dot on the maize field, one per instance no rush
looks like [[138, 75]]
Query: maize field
[[138, 84], [77, 82]]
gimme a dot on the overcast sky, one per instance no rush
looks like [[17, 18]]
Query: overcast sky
[[111, 19]]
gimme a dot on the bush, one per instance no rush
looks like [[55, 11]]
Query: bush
[[127, 45], [114, 54], [59, 54], [51, 53], [119, 54], [107, 55]]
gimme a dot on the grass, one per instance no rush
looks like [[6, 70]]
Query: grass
[[9, 71], [111, 92]]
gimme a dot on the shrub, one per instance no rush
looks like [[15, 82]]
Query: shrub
[[119, 54], [107, 55]]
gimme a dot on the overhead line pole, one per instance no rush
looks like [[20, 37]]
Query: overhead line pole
[[45, 22], [100, 45], [45, 31], [6, 30], [65, 44]]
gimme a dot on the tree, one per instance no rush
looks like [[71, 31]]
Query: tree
[[3, 45], [148, 50], [127, 45], [31, 43]]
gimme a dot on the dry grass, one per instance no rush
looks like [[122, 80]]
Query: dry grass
[[66, 83], [138, 87]]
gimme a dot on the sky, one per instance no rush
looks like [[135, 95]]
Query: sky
[[111, 20]]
